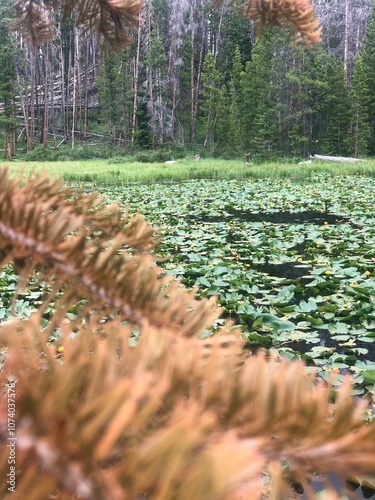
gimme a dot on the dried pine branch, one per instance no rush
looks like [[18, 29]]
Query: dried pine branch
[[94, 253], [296, 14], [114, 18], [164, 417], [101, 419], [33, 18], [111, 18]]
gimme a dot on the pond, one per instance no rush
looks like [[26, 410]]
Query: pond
[[292, 262]]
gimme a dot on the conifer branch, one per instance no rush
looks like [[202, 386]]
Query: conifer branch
[[101, 256], [174, 409], [114, 18], [299, 15], [111, 18]]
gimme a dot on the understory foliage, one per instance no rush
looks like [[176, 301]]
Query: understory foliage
[[169, 416]]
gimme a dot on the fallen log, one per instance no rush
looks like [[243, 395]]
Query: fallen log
[[336, 158]]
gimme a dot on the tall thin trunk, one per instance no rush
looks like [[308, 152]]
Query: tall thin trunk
[[46, 91], [52, 96], [62, 90], [346, 41], [218, 34], [77, 62], [24, 100], [151, 82], [192, 74], [174, 30], [74, 100], [38, 97], [196, 89], [86, 103], [135, 84], [32, 97], [69, 101], [75, 85], [161, 109]]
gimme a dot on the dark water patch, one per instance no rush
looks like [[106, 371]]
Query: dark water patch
[[286, 217], [316, 217], [289, 270], [328, 341], [298, 248]]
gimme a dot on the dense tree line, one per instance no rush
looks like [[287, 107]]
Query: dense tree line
[[195, 77]]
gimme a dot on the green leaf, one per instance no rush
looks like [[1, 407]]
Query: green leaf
[[369, 376], [306, 307]]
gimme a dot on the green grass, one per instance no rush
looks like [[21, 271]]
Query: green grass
[[102, 172]]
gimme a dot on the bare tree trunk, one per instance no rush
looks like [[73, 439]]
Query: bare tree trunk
[[75, 86], [69, 98], [32, 97], [74, 103], [192, 74], [196, 85], [52, 96], [46, 91], [9, 148], [135, 84], [25, 109], [38, 97], [218, 34], [150, 80], [86, 104], [62, 90], [161, 109], [346, 43], [77, 62]]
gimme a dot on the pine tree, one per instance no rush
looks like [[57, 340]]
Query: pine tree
[[363, 92], [259, 106], [234, 117], [110, 95], [8, 121], [210, 98], [361, 99], [331, 130]]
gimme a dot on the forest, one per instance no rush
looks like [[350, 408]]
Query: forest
[[194, 79]]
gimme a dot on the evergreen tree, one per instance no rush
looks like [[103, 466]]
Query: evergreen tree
[[363, 92], [259, 104], [234, 117], [116, 94], [8, 122], [294, 100], [361, 99], [318, 111], [237, 40], [223, 124], [331, 130], [158, 98], [109, 82], [210, 99]]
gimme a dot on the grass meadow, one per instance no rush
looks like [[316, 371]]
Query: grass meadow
[[105, 172]]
